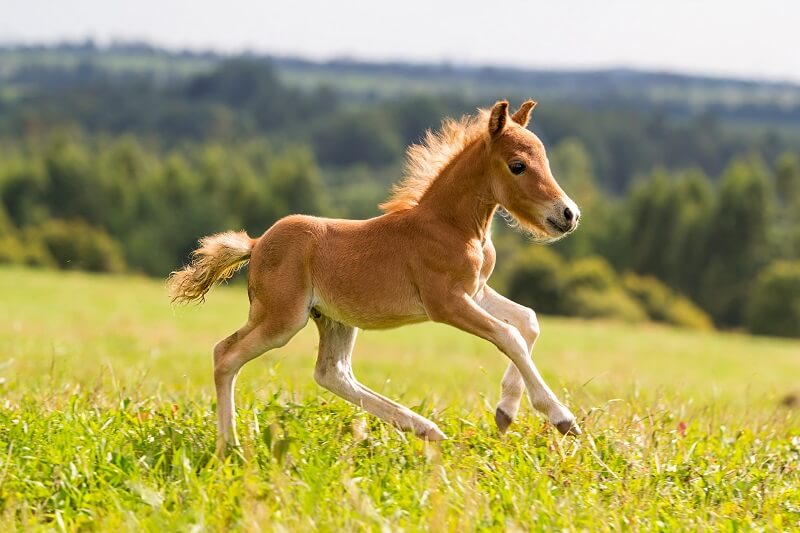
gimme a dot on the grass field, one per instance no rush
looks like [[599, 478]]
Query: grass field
[[107, 421]]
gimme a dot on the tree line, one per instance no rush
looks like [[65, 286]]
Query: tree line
[[246, 98]]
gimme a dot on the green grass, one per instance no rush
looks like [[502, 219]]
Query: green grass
[[107, 421]]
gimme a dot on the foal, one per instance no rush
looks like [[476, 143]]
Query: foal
[[428, 257]]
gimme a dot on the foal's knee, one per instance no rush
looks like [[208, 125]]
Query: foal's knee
[[530, 326]]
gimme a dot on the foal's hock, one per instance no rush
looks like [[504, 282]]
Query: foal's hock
[[428, 257]]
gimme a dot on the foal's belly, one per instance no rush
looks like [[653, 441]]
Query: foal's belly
[[368, 305], [367, 318]]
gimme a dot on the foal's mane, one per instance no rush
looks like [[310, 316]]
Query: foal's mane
[[426, 160]]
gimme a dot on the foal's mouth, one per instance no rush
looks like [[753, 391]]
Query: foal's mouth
[[554, 224]]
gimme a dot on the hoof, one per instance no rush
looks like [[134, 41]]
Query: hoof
[[568, 427], [502, 420], [224, 448], [432, 434], [221, 451]]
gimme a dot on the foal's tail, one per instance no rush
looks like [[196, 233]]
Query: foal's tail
[[218, 258]]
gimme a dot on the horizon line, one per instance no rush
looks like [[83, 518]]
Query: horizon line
[[120, 42]]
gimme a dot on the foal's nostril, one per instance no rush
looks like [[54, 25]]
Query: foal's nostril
[[567, 214]]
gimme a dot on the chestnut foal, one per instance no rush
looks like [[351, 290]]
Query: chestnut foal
[[427, 258]]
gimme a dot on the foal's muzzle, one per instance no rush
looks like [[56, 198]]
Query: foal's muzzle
[[566, 216]]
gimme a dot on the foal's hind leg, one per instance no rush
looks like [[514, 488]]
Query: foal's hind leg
[[262, 332], [334, 372]]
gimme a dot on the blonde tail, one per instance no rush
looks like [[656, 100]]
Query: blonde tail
[[218, 258]]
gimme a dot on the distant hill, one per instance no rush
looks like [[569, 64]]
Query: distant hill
[[614, 85], [23, 68]]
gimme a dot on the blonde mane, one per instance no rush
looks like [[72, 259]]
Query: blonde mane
[[425, 161]]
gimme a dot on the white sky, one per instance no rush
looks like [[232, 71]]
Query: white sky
[[719, 37]]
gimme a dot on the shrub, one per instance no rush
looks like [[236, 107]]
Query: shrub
[[589, 288], [774, 307], [592, 290], [662, 305], [535, 278], [613, 303], [684, 313], [11, 250], [653, 296], [74, 245], [592, 273]]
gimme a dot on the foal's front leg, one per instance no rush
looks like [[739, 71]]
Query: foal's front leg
[[461, 311], [334, 372], [525, 321]]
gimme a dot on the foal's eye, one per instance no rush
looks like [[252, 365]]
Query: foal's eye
[[516, 167]]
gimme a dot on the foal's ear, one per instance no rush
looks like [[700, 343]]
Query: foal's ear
[[523, 114], [498, 118]]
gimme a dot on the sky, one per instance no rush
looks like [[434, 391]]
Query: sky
[[716, 37]]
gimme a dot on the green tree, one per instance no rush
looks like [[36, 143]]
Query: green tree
[[356, 137], [295, 179], [652, 210], [572, 168], [174, 212], [787, 179], [121, 169], [685, 251], [737, 244], [786, 235], [23, 191], [72, 187], [774, 308]]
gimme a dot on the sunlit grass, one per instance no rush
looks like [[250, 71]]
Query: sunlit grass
[[106, 420]]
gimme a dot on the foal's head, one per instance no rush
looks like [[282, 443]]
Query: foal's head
[[520, 175]]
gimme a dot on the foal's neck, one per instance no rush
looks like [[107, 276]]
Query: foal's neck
[[461, 194]]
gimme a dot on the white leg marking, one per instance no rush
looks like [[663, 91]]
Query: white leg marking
[[491, 316], [230, 355], [334, 372]]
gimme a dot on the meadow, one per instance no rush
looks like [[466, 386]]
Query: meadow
[[107, 421]]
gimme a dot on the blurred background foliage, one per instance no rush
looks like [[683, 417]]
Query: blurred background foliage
[[119, 158]]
